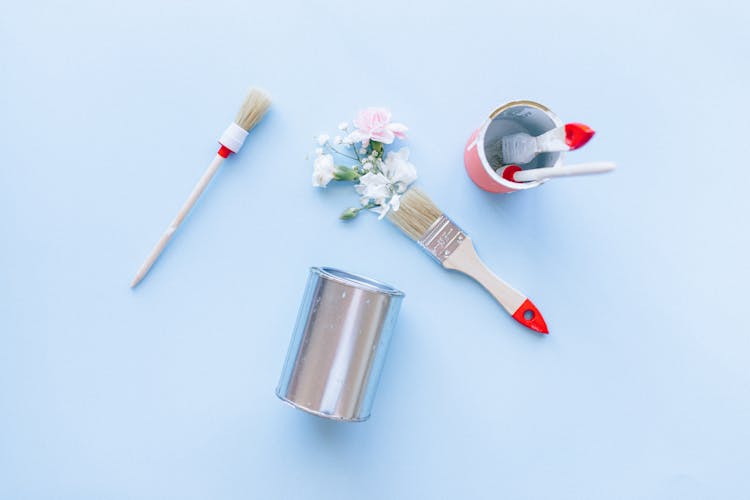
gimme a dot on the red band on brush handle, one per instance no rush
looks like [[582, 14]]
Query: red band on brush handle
[[530, 317], [510, 171], [224, 151], [577, 134]]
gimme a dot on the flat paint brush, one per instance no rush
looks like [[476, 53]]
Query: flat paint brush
[[253, 108], [447, 243], [522, 147]]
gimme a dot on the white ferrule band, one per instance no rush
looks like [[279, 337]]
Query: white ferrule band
[[233, 137]]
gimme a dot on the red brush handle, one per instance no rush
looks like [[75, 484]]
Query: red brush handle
[[577, 134], [530, 317], [224, 151]]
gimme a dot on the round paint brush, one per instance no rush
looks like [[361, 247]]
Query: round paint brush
[[253, 108], [522, 147], [515, 174]]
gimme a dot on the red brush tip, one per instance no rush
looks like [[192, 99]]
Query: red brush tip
[[530, 317], [577, 134], [509, 171]]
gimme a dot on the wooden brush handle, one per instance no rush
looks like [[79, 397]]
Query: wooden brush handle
[[465, 259], [189, 203]]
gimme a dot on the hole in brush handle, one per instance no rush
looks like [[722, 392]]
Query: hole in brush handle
[[530, 317]]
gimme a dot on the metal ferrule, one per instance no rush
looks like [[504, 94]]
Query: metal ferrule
[[442, 238]]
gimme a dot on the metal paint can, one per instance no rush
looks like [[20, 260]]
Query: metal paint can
[[481, 156], [339, 345]]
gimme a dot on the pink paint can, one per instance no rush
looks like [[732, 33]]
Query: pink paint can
[[481, 156]]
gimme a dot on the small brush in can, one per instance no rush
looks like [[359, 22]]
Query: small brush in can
[[520, 133]]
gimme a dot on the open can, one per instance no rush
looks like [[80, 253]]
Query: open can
[[482, 153], [339, 345]]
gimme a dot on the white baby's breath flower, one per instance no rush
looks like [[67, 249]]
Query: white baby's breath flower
[[347, 140], [337, 140], [323, 168], [355, 137], [343, 126], [322, 139], [399, 171], [318, 151]]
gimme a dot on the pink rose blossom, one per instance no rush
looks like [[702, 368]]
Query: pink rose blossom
[[375, 124]]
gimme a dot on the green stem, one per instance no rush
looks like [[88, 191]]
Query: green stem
[[368, 206], [342, 154]]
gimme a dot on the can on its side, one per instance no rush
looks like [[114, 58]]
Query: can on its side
[[481, 156], [339, 345]]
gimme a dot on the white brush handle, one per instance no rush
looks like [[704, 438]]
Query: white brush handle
[[538, 174], [189, 203]]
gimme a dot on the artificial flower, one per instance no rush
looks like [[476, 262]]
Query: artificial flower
[[373, 186], [380, 176], [399, 170], [323, 169], [393, 204], [375, 124], [382, 210]]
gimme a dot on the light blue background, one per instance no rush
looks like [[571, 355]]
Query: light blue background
[[109, 114]]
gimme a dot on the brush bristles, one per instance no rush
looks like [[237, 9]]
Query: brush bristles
[[255, 106], [416, 214]]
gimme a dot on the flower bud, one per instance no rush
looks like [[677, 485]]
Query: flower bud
[[349, 213], [342, 173]]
